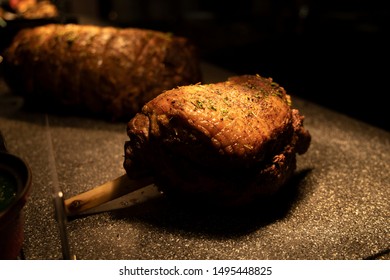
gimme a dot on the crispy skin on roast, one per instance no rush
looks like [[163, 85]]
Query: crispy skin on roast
[[104, 70], [227, 142]]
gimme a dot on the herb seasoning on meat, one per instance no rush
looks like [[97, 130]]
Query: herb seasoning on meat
[[227, 142]]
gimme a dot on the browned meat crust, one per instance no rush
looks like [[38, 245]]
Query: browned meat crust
[[40, 9], [28, 10], [229, 142], [105, 70]]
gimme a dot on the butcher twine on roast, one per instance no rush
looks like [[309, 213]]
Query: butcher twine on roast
[[106, 71], [228, 142]]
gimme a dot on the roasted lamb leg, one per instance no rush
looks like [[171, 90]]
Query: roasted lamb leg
[[226, 143]]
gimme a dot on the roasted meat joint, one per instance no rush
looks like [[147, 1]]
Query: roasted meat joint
[[106, 71], [226, 143]]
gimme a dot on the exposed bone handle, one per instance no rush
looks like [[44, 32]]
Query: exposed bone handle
[[103, 193]]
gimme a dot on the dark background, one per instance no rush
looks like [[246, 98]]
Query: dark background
[[334, 53]]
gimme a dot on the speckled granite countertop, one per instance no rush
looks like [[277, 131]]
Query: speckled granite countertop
[[336, 207]]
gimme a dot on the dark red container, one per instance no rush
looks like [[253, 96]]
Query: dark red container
[[11, 218]]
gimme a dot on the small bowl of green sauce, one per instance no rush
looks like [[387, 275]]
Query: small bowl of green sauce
[[8, 189], [15, 185]]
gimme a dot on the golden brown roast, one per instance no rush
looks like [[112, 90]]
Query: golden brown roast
[[104, 70], [228, 142], [28, 9]]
